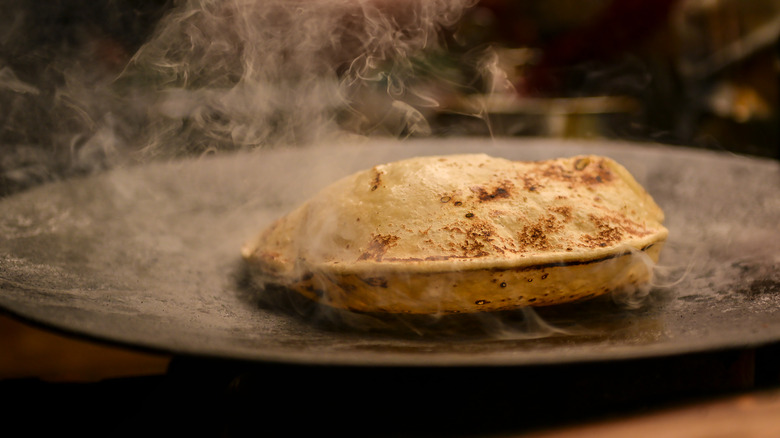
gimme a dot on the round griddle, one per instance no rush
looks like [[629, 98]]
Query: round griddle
[[148, 256]]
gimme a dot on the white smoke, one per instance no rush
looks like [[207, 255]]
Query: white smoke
[[217, 75], [240, 74]]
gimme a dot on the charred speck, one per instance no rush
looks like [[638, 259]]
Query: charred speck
[[581, 163], [347, 287], [377, 180], [502, 191], [458, 203], [544, 276], [319, 293], [532, 300], [375, 281], [378, 247], [503, 284], [530, 280], [469, 214], [499, 193], [445, 199], [481, 302]]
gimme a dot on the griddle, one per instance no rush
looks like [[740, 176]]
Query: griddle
[[148, 256]]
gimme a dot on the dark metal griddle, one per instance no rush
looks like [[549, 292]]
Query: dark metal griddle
[[148, 256]]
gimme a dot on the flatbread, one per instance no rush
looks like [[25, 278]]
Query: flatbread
[[465, 233]]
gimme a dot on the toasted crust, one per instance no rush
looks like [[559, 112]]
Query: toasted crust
[[464, 233]]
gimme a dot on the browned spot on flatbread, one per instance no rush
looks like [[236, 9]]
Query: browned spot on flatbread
[[376, 181], [562, 211], [478, 237], [596, 172], [501, 190], [534, 236], [606, 233], [556, 171], [586, 171], [622, 224], [629, 226], [375, 281], [378, 247], [530, 183], [581, 163]]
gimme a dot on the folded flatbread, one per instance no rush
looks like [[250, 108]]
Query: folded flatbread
[[464, 233]]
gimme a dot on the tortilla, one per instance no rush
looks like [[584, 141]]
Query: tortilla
[[465, 233]]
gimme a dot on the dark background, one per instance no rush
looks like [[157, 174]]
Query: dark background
[[661, 63], [686, 72]]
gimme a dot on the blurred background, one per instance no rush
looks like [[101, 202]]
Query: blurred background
[[87, 85], [77, 95], [695, 72]]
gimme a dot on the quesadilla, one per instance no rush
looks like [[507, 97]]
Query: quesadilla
[[464, 233]]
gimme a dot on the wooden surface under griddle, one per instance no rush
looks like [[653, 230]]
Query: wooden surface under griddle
[[37, 364], [33, 352], [750, 415]]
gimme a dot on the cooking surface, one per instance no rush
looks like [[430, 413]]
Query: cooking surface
[[149, 257]]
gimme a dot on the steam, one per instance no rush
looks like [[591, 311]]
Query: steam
[[633, 296], [226, 75], [222, 75], [243, 74], [520, 324], [591, 317]]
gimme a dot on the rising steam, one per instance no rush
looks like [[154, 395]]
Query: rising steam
[[219, 75], [247, 73], [225, 75]]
